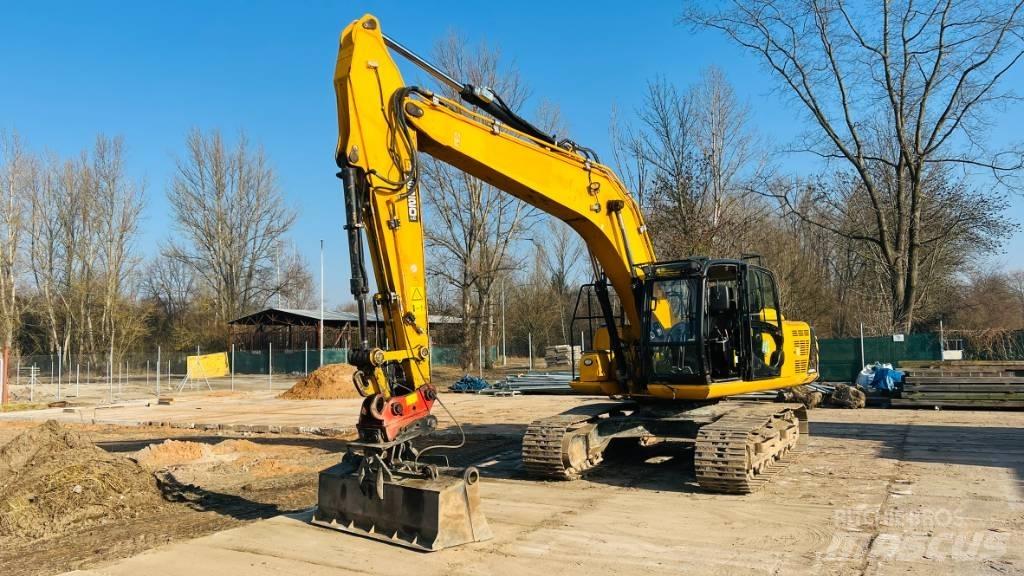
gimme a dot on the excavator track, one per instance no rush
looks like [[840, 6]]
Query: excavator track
[[556, 448], [745, 448]]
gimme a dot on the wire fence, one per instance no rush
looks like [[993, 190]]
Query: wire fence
[[112, 377]]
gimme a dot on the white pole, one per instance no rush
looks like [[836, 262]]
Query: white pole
[[305, 357], [942, 341], [110, 377], [504, 351], [158, 372], [270, 365], [321, 303], [78, 368], [147, 374], [862, 345], [480, 350], [17, 373], [232, 366], [529, 343], [60, 359]]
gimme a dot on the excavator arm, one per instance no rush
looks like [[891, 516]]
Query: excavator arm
[[384, 124]]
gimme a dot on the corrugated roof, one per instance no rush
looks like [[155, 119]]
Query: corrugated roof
[[334, 316]]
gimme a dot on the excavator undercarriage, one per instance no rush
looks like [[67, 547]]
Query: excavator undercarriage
[[737, 446]]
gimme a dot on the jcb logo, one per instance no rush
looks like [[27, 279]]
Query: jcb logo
[[414, 207]]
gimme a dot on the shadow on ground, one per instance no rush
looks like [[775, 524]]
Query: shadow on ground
[[989, 446]]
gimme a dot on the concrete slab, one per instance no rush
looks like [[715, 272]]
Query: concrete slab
[[262, 412], [877, 492]]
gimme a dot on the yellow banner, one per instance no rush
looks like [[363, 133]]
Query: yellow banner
[[208, 365]]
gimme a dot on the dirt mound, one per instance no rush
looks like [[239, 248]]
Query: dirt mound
[[238, 445], [846, 396], [329, 382], [53, 481], [805, 395], [170, 452]]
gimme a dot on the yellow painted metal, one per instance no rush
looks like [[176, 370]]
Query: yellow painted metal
[[207, 365], [373, 105], [365, 78], [586, 195]]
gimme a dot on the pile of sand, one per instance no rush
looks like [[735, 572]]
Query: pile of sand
[[53, 481], [176, 452], [329, 382], [171, 452]]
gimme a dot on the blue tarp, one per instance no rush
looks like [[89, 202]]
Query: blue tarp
[[882, 377], [470, 384]]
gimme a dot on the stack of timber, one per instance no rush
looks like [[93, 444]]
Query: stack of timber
[[562, 355], [962, 384]]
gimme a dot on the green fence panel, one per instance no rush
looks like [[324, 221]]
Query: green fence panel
[[250, 363], [450, 355], [287, 361], [840, 357]]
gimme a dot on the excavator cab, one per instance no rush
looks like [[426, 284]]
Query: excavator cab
[[710, 321], [705, 322]]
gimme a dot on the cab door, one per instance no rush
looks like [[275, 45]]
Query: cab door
[[763, 324]]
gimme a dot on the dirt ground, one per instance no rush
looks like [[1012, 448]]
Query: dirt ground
[[876, 492]]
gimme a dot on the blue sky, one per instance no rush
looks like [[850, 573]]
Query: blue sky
[[151, 71]]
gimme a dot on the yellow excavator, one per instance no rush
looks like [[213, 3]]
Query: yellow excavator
[[669, 341]]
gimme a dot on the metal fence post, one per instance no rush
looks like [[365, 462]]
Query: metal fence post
[[78, 368], [862, 364], [157, 372], [529, 344], [232, 366], [305, 357], [270, 365]]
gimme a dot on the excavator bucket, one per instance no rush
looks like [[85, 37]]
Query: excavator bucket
[[419, 513]]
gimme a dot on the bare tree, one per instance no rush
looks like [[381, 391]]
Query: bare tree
[[560, 253], [118, 203], [230, 216], [295, 281], [83, 220], [478, 224], [691, 159], [899, 92], [18, 172]]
